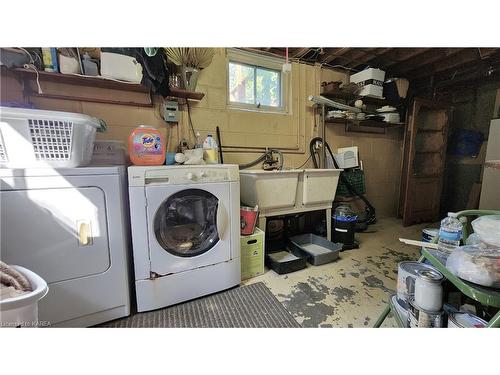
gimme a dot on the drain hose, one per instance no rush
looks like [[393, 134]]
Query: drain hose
[[263, 157]]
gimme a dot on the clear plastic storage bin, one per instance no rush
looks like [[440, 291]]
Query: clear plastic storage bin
[[31, 138]]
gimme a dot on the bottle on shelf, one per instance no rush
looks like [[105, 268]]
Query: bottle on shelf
[[198, 143], [210, 148], [49, 58], [450, 233]]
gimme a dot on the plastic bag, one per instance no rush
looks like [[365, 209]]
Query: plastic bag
[[473, 239], [194, 156], [477, 264], [487, 227]]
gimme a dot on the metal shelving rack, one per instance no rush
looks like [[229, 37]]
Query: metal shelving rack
[[483, 295]]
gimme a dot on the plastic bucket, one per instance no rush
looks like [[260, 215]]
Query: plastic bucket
[[248, 220], [428, 234], [22, 311]]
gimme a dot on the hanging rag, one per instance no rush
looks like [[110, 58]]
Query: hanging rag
[[12, 282]]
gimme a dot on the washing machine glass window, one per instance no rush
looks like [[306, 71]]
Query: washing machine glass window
[[185, 224]]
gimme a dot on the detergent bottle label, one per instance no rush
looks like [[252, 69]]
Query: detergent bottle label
[[147, 143]]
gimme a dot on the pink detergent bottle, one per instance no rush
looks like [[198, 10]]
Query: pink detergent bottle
[[146, 146]]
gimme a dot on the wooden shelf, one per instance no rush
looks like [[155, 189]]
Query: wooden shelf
[[185, 94], [73, 79], [349, 97], [365, 123], [364, 126]]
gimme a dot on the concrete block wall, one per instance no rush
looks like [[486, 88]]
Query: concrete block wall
[[249, 133]]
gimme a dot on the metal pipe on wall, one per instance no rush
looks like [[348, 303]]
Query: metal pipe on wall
[[322, 155]]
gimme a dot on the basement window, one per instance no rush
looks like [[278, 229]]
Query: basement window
[[255, 82]]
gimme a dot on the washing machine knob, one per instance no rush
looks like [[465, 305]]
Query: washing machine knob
[[190, 176], [203, 174]]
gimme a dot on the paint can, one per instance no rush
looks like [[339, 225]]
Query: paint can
[[420, 318], [401, 308], [428, 290], [407, 273], [464, 319]]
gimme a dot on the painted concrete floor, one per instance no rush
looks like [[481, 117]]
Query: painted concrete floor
[[354, 290]]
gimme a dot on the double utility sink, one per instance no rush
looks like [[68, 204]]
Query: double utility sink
[[289, 191]]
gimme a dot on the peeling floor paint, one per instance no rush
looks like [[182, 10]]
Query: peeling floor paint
[[354, 290]]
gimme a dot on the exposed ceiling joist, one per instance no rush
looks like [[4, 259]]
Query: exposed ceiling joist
[[332, 53], [404, 55], [412, 63], [298, 52], [424, 60], [371, 56], [463, 57]]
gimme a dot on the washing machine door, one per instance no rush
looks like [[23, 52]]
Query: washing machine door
[[187, 226]]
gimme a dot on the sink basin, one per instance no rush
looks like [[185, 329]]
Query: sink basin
[[269, 189], [288, 188], [319, 185]]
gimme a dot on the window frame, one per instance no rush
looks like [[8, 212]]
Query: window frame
[[258, 61]]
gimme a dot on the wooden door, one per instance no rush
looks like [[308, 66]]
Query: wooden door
[[423, 163]]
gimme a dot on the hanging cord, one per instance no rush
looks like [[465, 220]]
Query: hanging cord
[[31, 66], [309, 158], [190, 121], [169, 133]]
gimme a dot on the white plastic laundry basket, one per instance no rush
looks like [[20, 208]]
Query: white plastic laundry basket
[[22, 311], [31, 138]]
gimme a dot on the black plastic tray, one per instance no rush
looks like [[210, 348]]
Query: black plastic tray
[[316, 249], [283, 262]]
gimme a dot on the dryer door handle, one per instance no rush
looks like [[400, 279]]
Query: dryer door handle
[[221, 219]]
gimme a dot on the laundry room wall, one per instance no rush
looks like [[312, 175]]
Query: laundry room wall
[[249, 133], [245, 134]]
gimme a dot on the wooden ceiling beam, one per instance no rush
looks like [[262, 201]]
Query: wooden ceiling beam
[[383, 57], [425, 59], [371, 55], [471, 69], [348, 57], [466, 55], [355, 55], [402, 55], [332, 53], [487, 52], [298, 52]]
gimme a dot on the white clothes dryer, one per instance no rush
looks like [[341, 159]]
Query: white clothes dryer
[[185, 232], [71, 227]]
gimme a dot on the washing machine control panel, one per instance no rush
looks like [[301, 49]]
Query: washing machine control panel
[[178, 175], [203, 176], [189, 176]]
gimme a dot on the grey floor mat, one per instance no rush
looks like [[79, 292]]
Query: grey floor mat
[[249, 306]]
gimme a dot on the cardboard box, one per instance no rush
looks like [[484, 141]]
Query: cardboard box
[[252, 254], [109, 153], [371, 80]]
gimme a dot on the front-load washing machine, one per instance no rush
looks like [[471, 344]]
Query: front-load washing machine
[[71, 227], [185, 231]]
